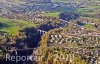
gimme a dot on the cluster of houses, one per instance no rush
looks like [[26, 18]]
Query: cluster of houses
[[79, 39], [85, 38], [95, 23], [90, 54]]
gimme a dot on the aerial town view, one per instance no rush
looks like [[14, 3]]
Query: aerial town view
[[49, 31]]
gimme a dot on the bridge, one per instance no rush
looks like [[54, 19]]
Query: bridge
[[41, 31]]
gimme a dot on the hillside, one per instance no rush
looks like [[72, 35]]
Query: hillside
[[50, 31], [13, 26]]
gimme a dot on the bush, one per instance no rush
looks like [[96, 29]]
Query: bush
[[1, 24]]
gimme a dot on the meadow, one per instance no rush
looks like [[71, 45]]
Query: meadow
[[12, 27]]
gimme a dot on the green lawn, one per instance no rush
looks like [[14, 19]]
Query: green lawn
[[89, 26], [96, 6], [13, 26], [52, 14], [85, 11]]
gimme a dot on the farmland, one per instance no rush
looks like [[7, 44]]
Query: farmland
[[13, 26]]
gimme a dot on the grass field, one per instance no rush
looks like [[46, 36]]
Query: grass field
[[91, 9], [52, 14], [13, 26], [89, 26]]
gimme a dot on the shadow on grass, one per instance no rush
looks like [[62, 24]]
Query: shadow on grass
[[5, 25]]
